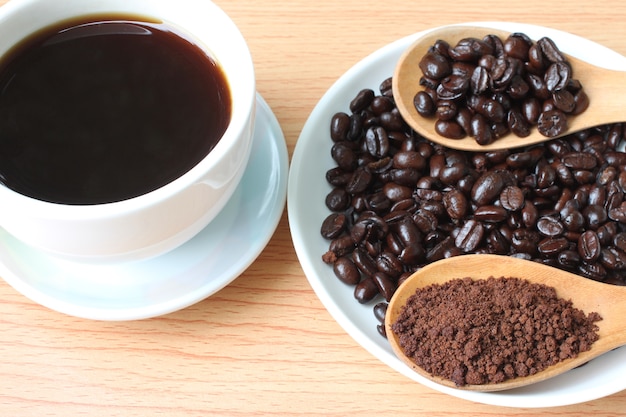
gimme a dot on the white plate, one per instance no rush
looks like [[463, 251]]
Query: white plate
[[180, 278], [308, 188]]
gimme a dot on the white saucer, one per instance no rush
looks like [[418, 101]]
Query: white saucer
[[305, 203], [180, 278]]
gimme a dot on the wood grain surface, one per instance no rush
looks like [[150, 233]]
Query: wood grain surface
[[265, 345]]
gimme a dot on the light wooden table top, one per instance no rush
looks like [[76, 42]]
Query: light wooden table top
[[265, 345]]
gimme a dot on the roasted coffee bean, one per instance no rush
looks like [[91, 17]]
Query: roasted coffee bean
[[409, 159], [550, 226], [338, 199], [377, 142], [512, 198], [339, 127], [456, 204], [531, 110], [364, 262], [564, 100], [595, 216], [365, 291], [381, 104], [487, 187], [568, 259], [347, 271], [589, 246], [480, 130], [552, 123], [551, 246], [344, 156], [435, 65], [341, 246], [593, 271], [360, 180], [424, 104], [517, 123], [386, 286], [613, 258], [470, 236], [558, 76], [550, 50], [525, 241], [362, 100], [356, 126], [449, 129], [388, 263], [334, 225], [380, 311], [579, 160], [480, 80], [490, 214], [446, 110]]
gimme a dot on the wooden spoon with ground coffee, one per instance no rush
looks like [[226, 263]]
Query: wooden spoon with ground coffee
[[603, 87], [591, 297]]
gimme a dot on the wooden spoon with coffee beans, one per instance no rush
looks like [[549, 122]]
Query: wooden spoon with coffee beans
[[603, 87], [609, 301]]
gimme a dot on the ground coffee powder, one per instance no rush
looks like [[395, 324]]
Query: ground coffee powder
[[488, 331]]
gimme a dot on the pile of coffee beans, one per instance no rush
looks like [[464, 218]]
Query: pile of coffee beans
[[489, 331], [399, 202], [489, 87]]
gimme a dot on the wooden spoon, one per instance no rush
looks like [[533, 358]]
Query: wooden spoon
[[606, 90], [588, 295]]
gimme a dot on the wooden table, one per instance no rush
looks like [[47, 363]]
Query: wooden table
[[264, 345]]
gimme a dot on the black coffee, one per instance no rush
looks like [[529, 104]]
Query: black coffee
[[101, 110]]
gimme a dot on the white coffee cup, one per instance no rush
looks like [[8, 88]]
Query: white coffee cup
[[159, 221]]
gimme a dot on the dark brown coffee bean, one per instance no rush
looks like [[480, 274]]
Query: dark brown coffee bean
[[362, 100], [338, 199], [517, 123], [552, 123], [339, 127], [380, 311], [550, 226], [377, 142], [364, 262], [470, 236], [593, 271], [424, 104], [397, 192], [568, 259], [512, 198], [552, 246], [365, 291], [589, 246], [595, 216], [347, 271], [564, 100], [490, 214], [613, 258], [579, 160], [525, 241], [456, 204], [341, 246], [449, 129], [550, 50], [334, 225], [620, 241], [388, 263], [360, 180], [409, 159], [386, 286], [436, 66], [488, 187]]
